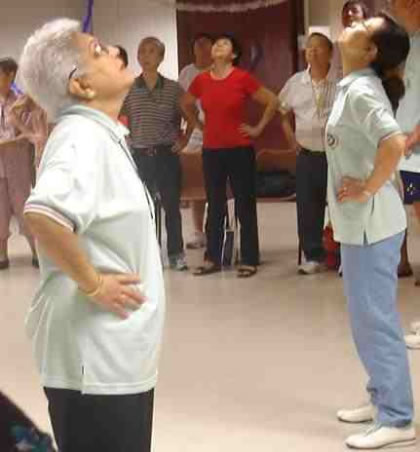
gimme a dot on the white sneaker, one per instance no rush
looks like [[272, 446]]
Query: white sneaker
[[311, 267], [412, 341], [378, 436], [178, 263], [365, 413], [415, 327]]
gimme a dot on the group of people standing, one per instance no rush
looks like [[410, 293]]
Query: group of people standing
[[211, 96], [97, 320]]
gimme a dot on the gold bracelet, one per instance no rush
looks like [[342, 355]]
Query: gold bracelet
[[93, 293]]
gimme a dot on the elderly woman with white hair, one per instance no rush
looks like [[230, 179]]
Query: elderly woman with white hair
[[95, 325]]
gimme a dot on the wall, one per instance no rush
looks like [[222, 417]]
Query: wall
[[19, 18], [126, 22]]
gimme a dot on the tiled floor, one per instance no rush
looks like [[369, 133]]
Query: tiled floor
[[256, 365]]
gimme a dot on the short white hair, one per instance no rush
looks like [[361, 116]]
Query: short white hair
[[47, 60]]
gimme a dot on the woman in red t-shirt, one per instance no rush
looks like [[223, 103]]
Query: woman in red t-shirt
[[227, 149]]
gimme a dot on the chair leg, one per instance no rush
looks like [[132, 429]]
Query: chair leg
[[158, 219], [299, 253]]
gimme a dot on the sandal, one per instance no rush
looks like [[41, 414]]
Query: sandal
[[206, 269], [246, 271], [405, 271]]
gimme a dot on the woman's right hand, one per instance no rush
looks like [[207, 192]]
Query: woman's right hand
[[117, 294]]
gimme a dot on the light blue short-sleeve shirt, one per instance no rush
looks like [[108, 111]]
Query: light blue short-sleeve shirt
[[88, 183], [361, 118], [408, 113]]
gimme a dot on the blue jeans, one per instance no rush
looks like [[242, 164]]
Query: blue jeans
[[370, 284]]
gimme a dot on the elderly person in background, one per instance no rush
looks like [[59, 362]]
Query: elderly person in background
[[201, 46], [152, 113], [309, 96], [353, 11], [32, 122], [15, 165], [96, 320], [228, 153]]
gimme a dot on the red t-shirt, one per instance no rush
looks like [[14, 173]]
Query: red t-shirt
[[223, 102]]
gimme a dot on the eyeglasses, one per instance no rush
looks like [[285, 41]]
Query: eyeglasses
[[97, 49]]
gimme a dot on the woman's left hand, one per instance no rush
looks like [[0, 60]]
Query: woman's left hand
[[412, 141], [352, 190], [250, 131], [180, 144]]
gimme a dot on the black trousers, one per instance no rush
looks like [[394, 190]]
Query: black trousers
[[238, 166], [110, 423], [161, 172], [311, 195]]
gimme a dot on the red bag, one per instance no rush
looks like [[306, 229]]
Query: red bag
[[332, 248]]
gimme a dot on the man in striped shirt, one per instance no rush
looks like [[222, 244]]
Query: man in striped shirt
[[153, 116]]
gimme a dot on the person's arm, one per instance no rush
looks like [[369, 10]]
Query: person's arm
[[190, 111], [412, 141], [268, 99], [110, 291], [387, 159], [184, 136], [289, 133]]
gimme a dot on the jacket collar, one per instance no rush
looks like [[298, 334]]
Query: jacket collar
[[353, 76], [141, 83], [308, 79], [117, 130]]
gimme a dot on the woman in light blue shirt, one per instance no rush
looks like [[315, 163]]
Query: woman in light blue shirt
[[364, 147]]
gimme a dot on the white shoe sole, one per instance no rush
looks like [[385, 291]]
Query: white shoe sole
[[407, 443], [346, 421], [410, 345]]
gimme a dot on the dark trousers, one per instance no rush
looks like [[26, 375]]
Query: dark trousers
[[161, 172], [110, 423], [311, 194], [238, 166]]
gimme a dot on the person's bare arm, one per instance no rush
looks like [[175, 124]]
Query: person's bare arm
[[388, 157], [286, 124], [110, 291], [269, 100], [189, 109]]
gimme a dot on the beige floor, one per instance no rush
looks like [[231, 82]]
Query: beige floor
[[258, 365]]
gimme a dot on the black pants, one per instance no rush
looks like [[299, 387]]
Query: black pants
[[110, 423], [161, 172], [311, 194], [238, 166]]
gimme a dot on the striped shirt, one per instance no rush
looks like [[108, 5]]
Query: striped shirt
[[153, 116]]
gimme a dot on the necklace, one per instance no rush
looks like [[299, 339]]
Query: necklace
[[320, 94]]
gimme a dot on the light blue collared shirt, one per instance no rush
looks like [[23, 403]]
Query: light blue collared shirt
[[88, 183], [361, 118], [408, 114]]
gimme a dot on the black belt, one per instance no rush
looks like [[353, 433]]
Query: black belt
[[310, 152], [154, 150]]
